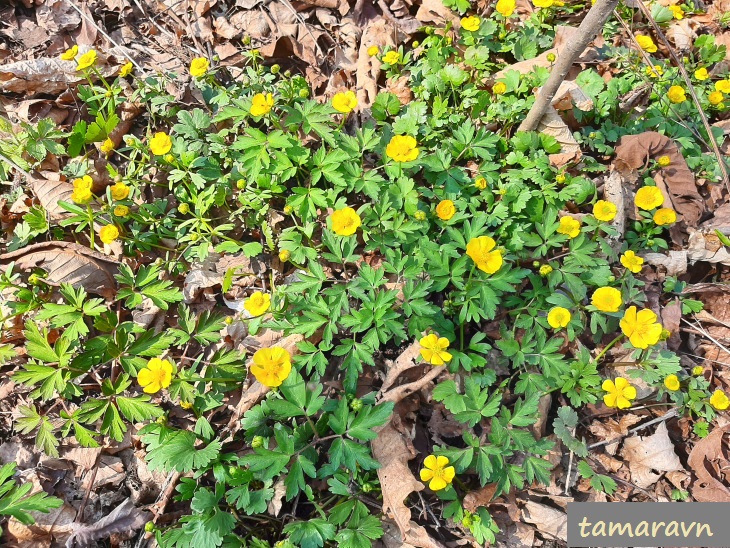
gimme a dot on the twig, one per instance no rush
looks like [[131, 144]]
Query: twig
[[587, 31], [570, 467], [704, 332], [668, 415], [688, 82], [162, 29], [97, 27], [15, 166]]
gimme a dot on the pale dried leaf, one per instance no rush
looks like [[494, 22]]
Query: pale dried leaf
[[675, 262], [547, 519], [647, 453], [613, 191], [682, 34], [552, 124], [706, 246], [612, 429], [405, 361], [125, 518], [44, 75], [49, 193], [708, 460], [277, 500]]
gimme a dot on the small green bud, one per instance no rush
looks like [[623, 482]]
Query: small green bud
[[560, 178], [162, 420], [149, 527], [419, 215], [275, 69], [287, 73], [356, 404], [246, 40], [288, 210], [257, 441], [467, 520], [545, 270], [255, 53], [194, 237], [611, 279], [551, 57], [448, 40], [232, 470], [650, 243], [183, 208], [535, 264], [228, 320], [159, 261], [240, 184], [34, 279], [304, 93], [416, 43]]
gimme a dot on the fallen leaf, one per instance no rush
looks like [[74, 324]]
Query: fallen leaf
[[48, 75], [405, 361], [547, 519], [671, 315], [682, 34], [612, 429], [706, 246], [480, 497], [49, 193], [709, 462], [675, 262], [614, 192], [648, 453], [125, 518]]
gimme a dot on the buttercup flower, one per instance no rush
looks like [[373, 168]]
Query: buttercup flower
[[262, 104], [672, 383], [471, 23], [698, 370], [632, 262], [607, 299], [199, 66], [480, 251], [345, 221], [107, 146], [160, 144], [373, 51], [719, 400], [701, 74], [665, 216], [619, 393], [506, 7], [437, 472], [392, 57], [646, 43], [108, 233], [558, 317], [402, 148], [126, 69], [445, 210], [344, 102], [641, 327], [664, 161], [569, 226], [156, 376], [604, 210], [480, 183], [433, 349], [257, 303], [121, 211], [271, 366], [119, 191], [499, 88], [654, 72], [648, 197], [723, 86], [545, 270], [284, 255], [676, 94], [543, 3], [71, 53], [86, 60], [715, 97], [81, 196], [677, 12]]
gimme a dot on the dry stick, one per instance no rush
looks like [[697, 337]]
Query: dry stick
[[15, 166], [97, 27], [704, 332], [688, 82], [587, 31], [162, 29], [665, 417]]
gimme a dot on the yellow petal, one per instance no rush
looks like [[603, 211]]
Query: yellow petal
[[437, 484], [426, 474], [430, 462]]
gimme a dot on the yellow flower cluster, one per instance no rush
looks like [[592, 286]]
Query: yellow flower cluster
[[82, 190]]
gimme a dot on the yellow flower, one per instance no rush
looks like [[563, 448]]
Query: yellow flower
[[344, 102], [392, 57], [107, 146], [121, 211], [665, 216], [506, 7], [108, 233], [543, 3], [480, 251], [676, 94], [126, 69], [641, 327], [284, 255], [654, 72], [604, 211], [186, 404], [648, 197], [499, 88], [677, 11], [199, 66], [672, 383], [83, 182], [402, 148], [558, 317], [437, 472], [156, 376], [257, 303], [701, 74], [86, 60], [71, 53], [373, 51], [445, 210], [160, 144], [646, 43], [619, 393], [664, 161], [545, 270], [569, 226], [715, 97], [345, 221], [119, 191], [271, 366], [632, 262], [471, 23], [698, 370], [433, 349], [81, 195], [480, 183], [723, 86], [262, 104], [719, 400], [606, 299]]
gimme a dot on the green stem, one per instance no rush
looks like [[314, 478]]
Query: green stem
[[608, 347]]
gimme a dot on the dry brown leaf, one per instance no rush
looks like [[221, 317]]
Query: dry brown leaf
[[480, 497], [378, 32], [44, 75], [671, 315], [709, 462], [552, 124], [433, 12], [612, 429], [675, 262], [613, 191], [706, 246], [547, 519], [634, 151], [682, 34], [647, 453], [125, 518], [405, 361], [68, 262], [49, 193]]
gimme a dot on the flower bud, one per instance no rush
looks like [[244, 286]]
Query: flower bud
[[367, 487], [183, 208], [246, 40], [275, 69], [228, 320], [611, 279], [698, 370], [288, 210], [240, 184], [304, 93], [650, 243], [284, 255], [356, 404], [419, 215], [149, 527], [186, 404], [257, 441], [545, 270], [480, 183], [560, 178], [551, 57]]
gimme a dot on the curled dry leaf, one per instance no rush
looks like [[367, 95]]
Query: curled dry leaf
[[708, 460], [634, 151], [647, 453], [406, 360], [675, 262], [706, 246], [379, 32], [671, 315], [67, 262], [49, 193], [125, 518], [547, 519], [682, 34], [612, 429], [43, 75], [480, 497]]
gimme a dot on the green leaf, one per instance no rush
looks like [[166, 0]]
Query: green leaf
[[312, 533], [15, 501], [138, 409], [368, 418]]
